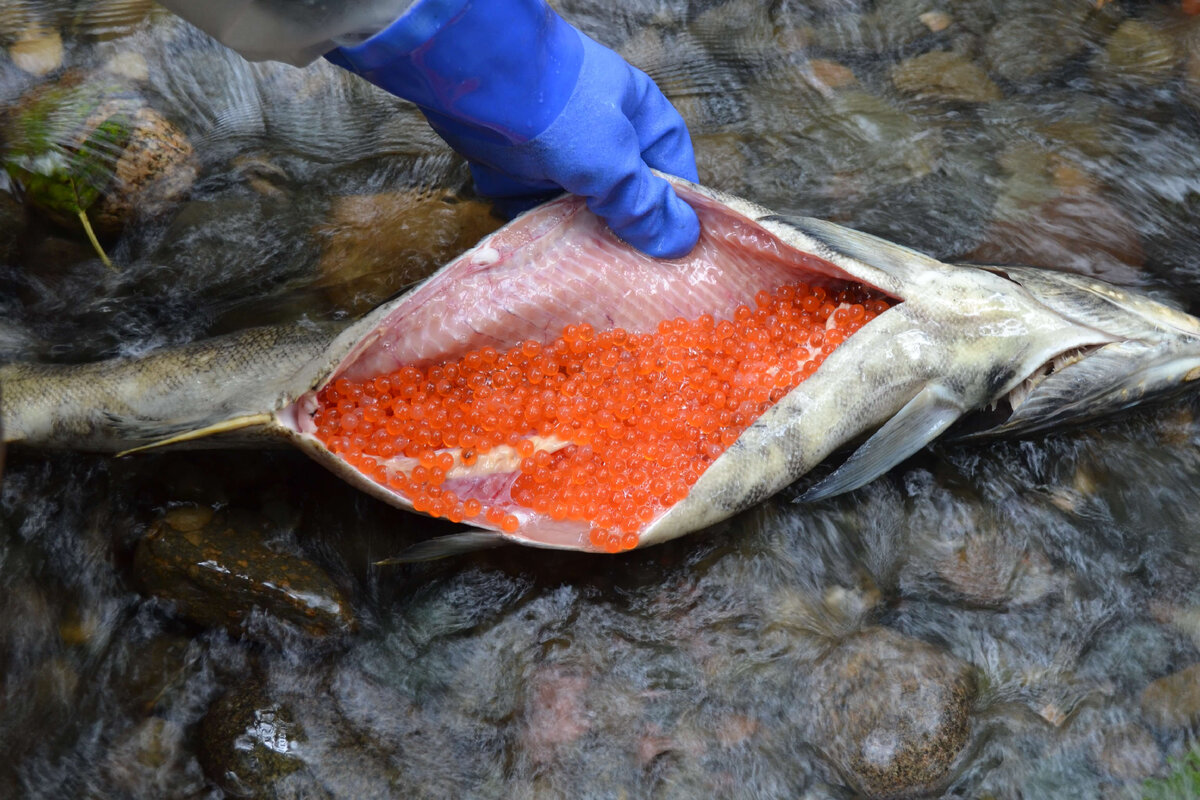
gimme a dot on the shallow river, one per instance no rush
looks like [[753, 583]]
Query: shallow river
[[1011, 620]]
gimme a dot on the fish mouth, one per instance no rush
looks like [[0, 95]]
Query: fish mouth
[[538, 287]]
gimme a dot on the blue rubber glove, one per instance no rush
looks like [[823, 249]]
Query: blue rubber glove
[[536, 106]]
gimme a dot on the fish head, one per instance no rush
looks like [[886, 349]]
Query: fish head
[[1152, 352]]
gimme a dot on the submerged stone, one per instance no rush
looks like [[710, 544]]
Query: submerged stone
[[942, 75], [1086, 235], [1139, 53], [105, 20], [154, 759], [1127, 752], [1173, 701], [217, 571], [248, 743], [12, 225], [892, 713], [1030, 46], [375, 245], [38, 51], [986, 569]]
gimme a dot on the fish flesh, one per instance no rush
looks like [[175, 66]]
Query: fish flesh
[[1036, 348]]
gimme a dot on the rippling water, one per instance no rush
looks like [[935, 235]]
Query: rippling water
[[1017, 619]]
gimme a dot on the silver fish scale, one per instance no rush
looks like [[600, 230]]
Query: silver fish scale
[[126, 403]]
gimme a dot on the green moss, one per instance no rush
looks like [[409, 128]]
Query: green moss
[[1183, 782]]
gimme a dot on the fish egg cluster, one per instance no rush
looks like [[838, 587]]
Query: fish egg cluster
[[605, 427]]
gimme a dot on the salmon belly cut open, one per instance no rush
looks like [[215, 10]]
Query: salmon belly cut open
[[559, 387]]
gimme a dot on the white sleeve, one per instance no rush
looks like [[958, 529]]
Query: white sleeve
[[293, 31]]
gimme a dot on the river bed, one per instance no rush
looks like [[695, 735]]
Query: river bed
[[1005, 619]]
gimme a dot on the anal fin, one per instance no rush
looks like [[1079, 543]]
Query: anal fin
[[446, 546], [920, 421]]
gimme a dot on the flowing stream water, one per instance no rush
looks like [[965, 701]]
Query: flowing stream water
[[1013, 619]]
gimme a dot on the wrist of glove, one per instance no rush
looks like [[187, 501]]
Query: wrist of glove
[[536, 106]]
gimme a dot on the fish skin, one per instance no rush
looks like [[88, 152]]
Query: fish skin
[[974, 334], [963, 338], [125, 403]]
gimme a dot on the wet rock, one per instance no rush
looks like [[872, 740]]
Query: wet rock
[[556, 715], [1183, 618], [738, 31], [930, 213], [373, 245], [1030, 45], [983, 568], [892, 713], [862, 147], [831, 74], [186, 519], [128, 65], [218, 572], [1187, 42], [1029, 181], [104, 20], [890, 26], [56, 255], [12, 225], [153, 759], [38, 51], [222, 244], [944, 76], [936, 21], [1086, 235], [721, 161], [248, 743], [261, 174], [1127, 752], [689, 72], [153, 670], [1138, 53], [1173, 701]]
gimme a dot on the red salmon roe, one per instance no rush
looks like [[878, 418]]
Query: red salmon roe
[[604, 427]]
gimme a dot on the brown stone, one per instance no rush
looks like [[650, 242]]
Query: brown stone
[[1085, 235], [38, 51], [1127, 752], [215, 574], [831, 73], [893, 713], [943, 75], [1173, 701], [375, 245]]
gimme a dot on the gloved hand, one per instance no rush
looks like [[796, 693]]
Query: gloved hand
[[535, 106]]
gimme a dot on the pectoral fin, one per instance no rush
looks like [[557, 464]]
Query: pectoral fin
[[446, 546], [922, 420]]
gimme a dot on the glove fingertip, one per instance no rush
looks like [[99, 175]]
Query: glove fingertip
[[674, 234]]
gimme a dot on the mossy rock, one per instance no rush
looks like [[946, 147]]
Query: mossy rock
[[94, 146]]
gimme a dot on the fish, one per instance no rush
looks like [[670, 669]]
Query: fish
[[1016, 349]]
